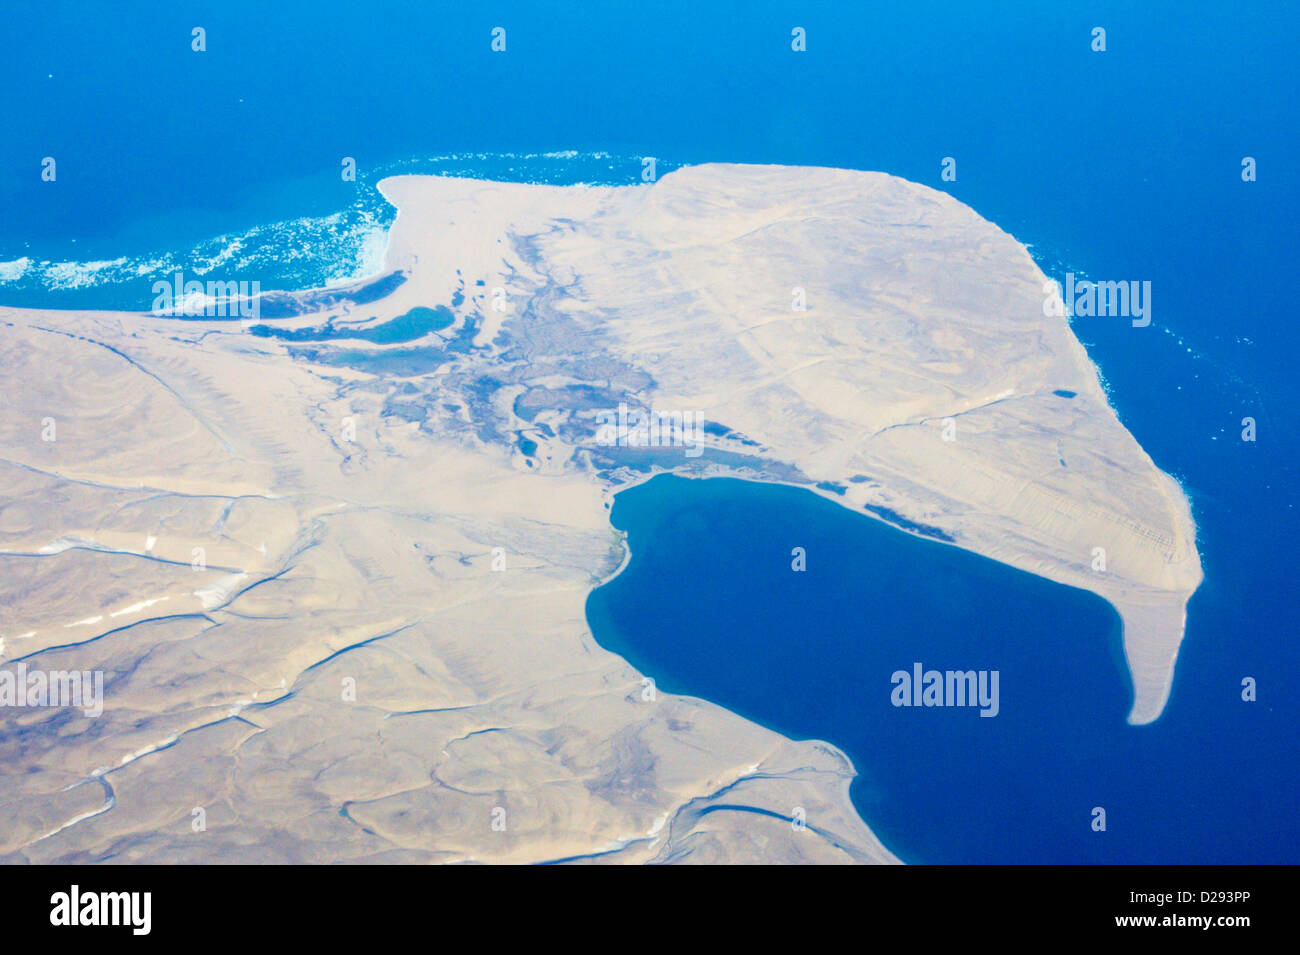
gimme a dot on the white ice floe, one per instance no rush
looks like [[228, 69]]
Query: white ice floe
[[10, 271]]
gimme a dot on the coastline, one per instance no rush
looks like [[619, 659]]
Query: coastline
[[222, 255], [876, 607], [211, 369]]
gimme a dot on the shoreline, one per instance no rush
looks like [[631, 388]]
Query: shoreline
[[823, 439], [126, 269]]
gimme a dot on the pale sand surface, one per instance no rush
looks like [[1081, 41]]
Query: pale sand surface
[[330, 562]]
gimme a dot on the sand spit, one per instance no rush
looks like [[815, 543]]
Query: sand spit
[[376, 556]]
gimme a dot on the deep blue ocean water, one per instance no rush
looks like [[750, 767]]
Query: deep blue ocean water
[[710, 602], [1116, 165], [710, 605]]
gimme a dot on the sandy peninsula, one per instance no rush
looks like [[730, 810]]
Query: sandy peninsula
[[336, 583]]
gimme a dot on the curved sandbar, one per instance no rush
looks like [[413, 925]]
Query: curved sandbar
[[917, 312]]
